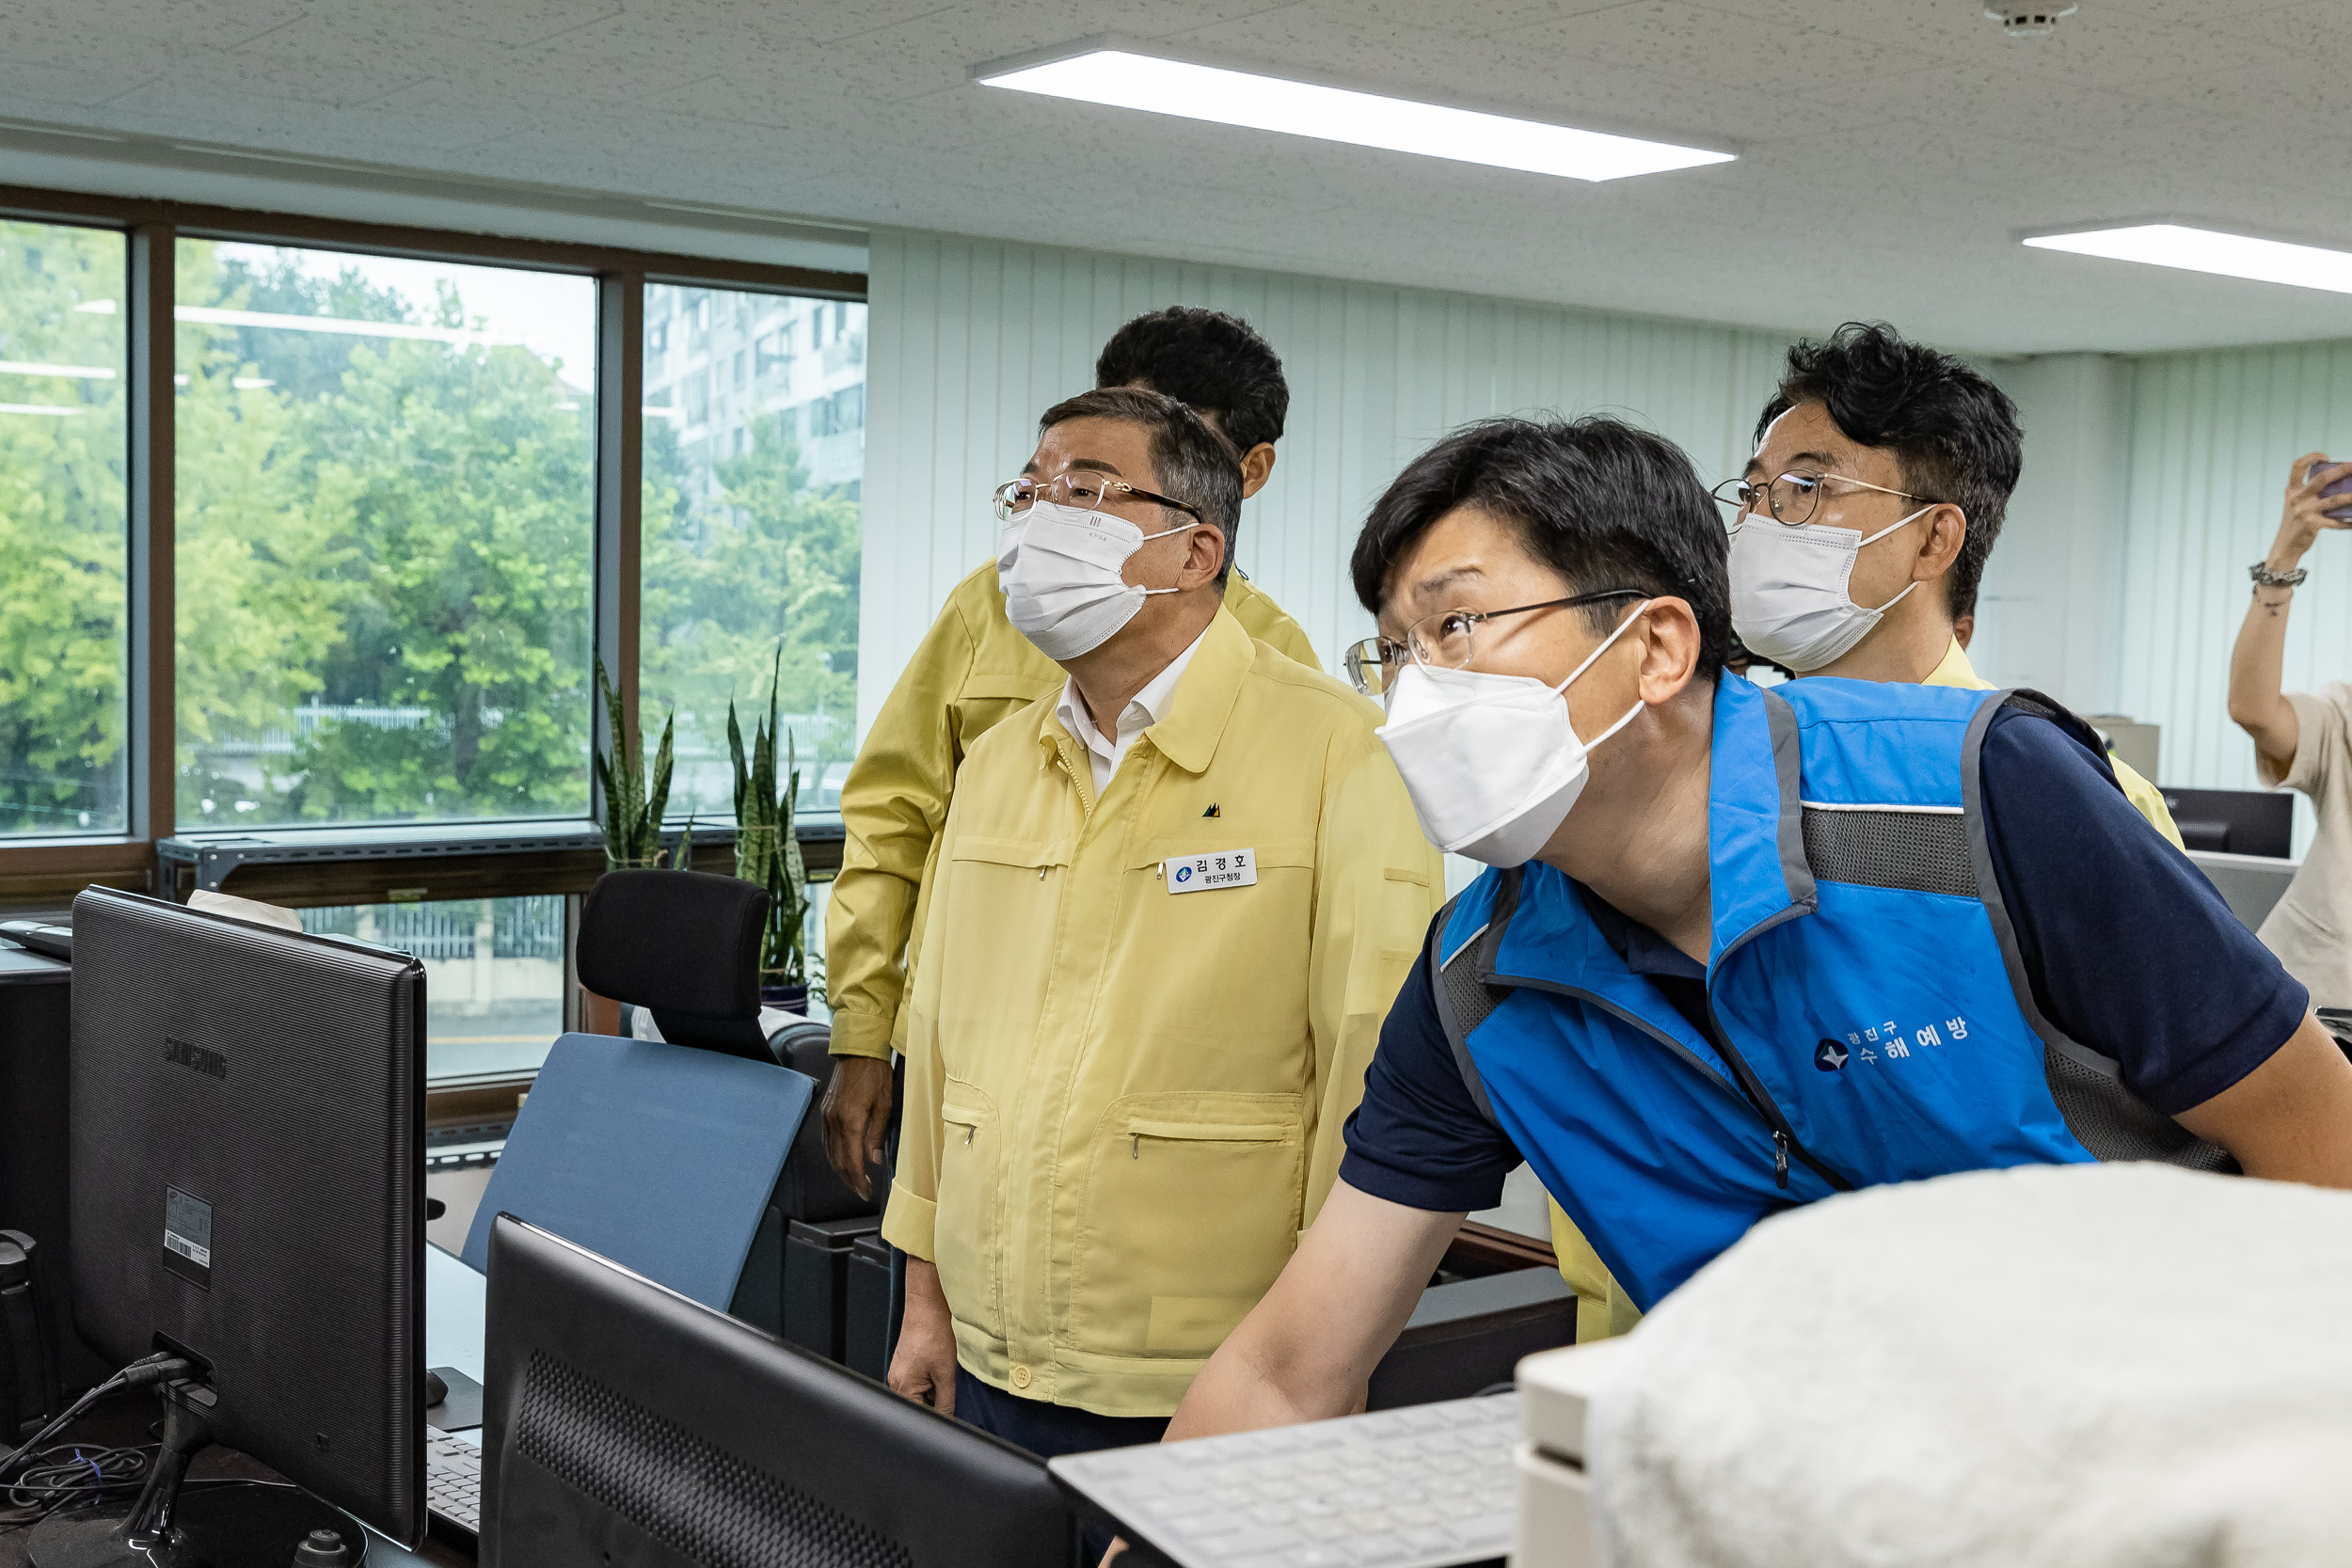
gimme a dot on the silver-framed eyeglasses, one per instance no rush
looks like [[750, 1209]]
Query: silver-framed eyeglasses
[[1792, 498], [1083, 489], [1445, 640]]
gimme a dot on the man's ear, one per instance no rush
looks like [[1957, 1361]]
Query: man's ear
[[1204, 556], [1670, 649], [1257, 467], [1948, 530]]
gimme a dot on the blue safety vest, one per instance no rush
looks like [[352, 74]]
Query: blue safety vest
[[1862, 967]]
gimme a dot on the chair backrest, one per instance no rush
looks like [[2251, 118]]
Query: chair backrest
[[663, 1160], [684, 946]]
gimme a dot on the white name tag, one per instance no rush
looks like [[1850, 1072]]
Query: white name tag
[[1224, 868]]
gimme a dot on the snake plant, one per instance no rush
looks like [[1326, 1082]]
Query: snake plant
[[632, 812]]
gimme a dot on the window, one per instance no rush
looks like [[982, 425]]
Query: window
[[751, 567], [385, 498], [493, 977], [64, 539]]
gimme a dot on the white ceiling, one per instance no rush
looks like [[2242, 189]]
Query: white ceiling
[[1890, 149]]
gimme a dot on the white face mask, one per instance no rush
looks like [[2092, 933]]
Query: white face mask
[[1790, 603], [1059, 566], [1492, 762]]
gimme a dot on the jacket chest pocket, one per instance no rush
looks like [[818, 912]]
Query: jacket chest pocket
[[968, 1235], [1192, 1208], [1182, 947], [999, 916]]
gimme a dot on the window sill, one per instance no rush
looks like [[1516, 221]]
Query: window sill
[[409, 861]]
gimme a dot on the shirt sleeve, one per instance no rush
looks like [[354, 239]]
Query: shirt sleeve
[[1377, 882], [2126, 945], [892, 804], [1418, 1138], [2321, 729]]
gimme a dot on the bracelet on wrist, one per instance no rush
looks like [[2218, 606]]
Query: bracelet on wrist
[[2265, 578]]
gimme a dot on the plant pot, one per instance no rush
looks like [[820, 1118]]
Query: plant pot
[[790, 999]]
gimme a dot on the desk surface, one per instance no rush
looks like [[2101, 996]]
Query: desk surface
[[20, 966]]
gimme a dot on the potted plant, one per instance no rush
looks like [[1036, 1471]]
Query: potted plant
[[768, 852], [632, 812]]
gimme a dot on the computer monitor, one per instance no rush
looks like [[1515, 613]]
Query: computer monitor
[[246, 1151], [2235, 821], [626, 1426]]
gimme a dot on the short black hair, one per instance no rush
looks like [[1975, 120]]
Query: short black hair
[[1602, 503], [1215, 363], [1954, 435], [1192, 463]]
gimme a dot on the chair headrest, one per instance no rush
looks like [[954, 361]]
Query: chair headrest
[[679, 941]]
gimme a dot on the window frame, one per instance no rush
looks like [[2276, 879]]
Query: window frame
[[44, 873]]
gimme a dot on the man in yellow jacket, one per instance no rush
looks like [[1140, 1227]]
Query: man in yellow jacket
[[971, 671], [1171, 905], [1882, 472]]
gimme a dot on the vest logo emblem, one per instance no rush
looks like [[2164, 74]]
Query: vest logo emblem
[[1829, 1056]]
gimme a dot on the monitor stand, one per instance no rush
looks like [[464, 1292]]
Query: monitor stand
[[211, 1524]]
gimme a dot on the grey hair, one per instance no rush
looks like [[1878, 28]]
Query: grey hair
[[1192, 462]]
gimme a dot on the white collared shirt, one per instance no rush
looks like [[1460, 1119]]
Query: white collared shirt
[[1145, 709]]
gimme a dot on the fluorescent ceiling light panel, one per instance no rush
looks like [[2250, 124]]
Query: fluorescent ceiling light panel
[[1127, 81], [48, 410], [2174, 245]]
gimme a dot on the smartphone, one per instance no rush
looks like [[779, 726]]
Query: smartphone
[[2341, 487]]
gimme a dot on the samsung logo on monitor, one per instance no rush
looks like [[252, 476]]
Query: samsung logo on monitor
[[195, 1057]]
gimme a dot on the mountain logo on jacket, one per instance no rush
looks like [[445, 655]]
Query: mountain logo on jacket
[[1829, 1056]]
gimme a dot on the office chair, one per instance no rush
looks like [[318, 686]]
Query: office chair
[[685, 946]]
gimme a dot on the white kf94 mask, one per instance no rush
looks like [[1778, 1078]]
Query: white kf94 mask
[[1790, 602], [1492, 762], [1059, 566]]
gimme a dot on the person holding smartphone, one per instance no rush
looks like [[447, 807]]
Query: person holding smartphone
[[2302, 739]]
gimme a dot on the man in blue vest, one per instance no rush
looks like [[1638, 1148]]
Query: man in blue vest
[[1740, 949]]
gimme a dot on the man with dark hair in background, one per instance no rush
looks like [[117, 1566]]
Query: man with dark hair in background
[[1882, 475], [1740, 947], [971, 671], [1169, 907]]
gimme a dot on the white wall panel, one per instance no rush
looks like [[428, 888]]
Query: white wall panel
[[971, 340], [2211, 436]]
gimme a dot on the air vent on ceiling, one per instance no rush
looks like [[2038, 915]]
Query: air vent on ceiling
[[2022, 24]]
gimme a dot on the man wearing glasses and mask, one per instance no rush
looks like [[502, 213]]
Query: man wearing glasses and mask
[[1170, 905], [971, 671], [1884, 468], [1740, 948]]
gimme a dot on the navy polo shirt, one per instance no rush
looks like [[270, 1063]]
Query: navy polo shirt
[[2128, 949]]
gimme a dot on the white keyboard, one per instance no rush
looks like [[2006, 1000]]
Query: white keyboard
[[1427, 1486], [452, 1478]]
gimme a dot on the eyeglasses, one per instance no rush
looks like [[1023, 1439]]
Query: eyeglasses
[[1791, 498], [1081, 488], [1443, 641]]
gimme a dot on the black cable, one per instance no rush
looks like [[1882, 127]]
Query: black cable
[[73, 1472], [159, 1367]]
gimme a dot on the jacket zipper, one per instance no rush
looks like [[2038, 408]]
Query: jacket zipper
[[1744, 1086], [1784, 1137]]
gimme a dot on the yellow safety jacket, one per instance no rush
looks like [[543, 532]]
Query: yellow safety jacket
[[1138, 1024], [1602, 1307], [971, 670]]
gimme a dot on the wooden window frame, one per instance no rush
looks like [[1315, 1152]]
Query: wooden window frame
[[43, 874]]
